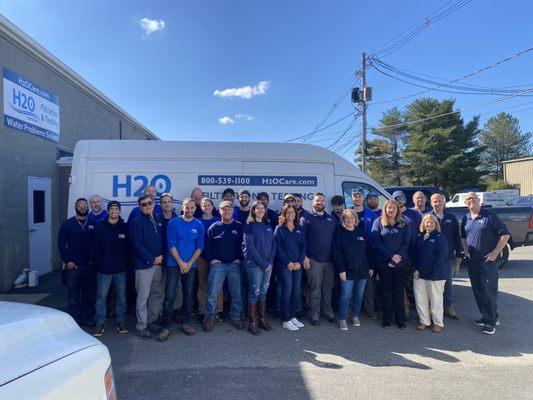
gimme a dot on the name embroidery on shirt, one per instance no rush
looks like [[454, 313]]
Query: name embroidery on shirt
[[121, 236]]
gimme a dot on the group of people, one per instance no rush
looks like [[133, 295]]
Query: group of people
[[210, 261]]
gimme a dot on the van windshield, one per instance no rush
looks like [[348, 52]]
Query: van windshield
[[347, 188]]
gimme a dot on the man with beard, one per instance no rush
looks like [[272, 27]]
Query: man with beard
[[113, 252], [97, 213], [75, 244], [337, 204], [372, 202], [152, 192], [185, 239], [242, 211], [319, 227]]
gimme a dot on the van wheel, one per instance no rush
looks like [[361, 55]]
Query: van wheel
[[504, 259]]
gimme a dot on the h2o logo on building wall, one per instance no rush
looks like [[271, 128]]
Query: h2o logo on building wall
[[137, 184]]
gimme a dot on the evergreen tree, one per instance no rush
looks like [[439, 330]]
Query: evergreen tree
[[440, 152], [502, 139], [384, 153]]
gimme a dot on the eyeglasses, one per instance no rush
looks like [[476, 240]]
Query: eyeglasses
[[148, 203]]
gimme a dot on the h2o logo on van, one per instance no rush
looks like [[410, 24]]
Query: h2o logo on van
[[137, 184]]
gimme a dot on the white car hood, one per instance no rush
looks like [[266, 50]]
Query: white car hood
[[33, 336]]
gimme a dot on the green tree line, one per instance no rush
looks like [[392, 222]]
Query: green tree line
[[446, 151]]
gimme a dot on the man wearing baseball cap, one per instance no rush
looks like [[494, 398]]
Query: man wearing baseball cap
[[113, 251], [242, 211], [223, 251]]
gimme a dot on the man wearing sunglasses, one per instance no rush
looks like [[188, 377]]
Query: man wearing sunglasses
[[146, 233], [151, 191]]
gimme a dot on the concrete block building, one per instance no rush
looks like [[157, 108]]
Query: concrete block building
[[46, 108]]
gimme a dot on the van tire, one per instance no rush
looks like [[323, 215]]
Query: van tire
[[504, 259]]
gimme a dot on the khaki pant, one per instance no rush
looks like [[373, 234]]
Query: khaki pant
[[203, 272], [429, 301]]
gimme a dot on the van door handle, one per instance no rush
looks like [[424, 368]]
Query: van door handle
[[32, 230]]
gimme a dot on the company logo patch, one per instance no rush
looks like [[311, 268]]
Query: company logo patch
[[194, 230], [121, 236], [234, 232]]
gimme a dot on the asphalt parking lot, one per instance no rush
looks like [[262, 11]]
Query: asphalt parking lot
[[324, 362]]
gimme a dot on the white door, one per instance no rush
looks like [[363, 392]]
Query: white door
[[40, 223]]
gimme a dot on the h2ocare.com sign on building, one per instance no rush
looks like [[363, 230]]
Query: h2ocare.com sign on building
[[30, 108]]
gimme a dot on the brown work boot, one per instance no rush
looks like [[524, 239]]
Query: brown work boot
[[261, 310], [437, 328], [421, 327], [252, 319], [98, 330], [122, 328], [209, 324], [187, 329], [237, 324], [163, 335]]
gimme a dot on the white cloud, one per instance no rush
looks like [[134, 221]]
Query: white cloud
[[226, 120], [152, 25], [247, 117], [245, 92]]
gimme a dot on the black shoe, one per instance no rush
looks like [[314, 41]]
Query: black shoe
[[488, 330], [386, 324], [315, 322], [481, 322], [200, 318], [143, 334], [220, 317], [401, 326], [98, 330], [154, 327], [331, 318]]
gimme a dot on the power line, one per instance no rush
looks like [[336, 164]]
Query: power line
[[350, 125], [406, 36], [319, 130], [455, 112], [445, 84]]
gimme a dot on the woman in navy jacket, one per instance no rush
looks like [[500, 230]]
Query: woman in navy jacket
[[430, 272], [259, 249], [352, 258], [390, 237], [290, 254]]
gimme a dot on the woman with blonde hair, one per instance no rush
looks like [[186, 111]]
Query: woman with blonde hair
[[352, 259], [390, 237], [430, 272]]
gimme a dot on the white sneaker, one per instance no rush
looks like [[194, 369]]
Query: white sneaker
[[342, 325], [356, 322], [290, 326], [297, 323]]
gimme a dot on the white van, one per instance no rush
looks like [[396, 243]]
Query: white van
[[45, 355], [121, 170], [487, 199]]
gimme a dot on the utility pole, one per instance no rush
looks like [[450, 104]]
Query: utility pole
[[363, 111]]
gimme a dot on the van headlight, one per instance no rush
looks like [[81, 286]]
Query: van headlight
[[109, 381]]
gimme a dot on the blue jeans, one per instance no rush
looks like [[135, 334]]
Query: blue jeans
[[354, 289], [103, 282], [173, 279], [258, 282], [448, 286], [81, 284], [291, 292], [217, 274]]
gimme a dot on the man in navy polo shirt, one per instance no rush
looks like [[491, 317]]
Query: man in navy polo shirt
[[483, 237], [319, 227], [97, 213]]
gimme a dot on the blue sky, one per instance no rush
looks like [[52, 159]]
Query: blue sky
[[304, 52]]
